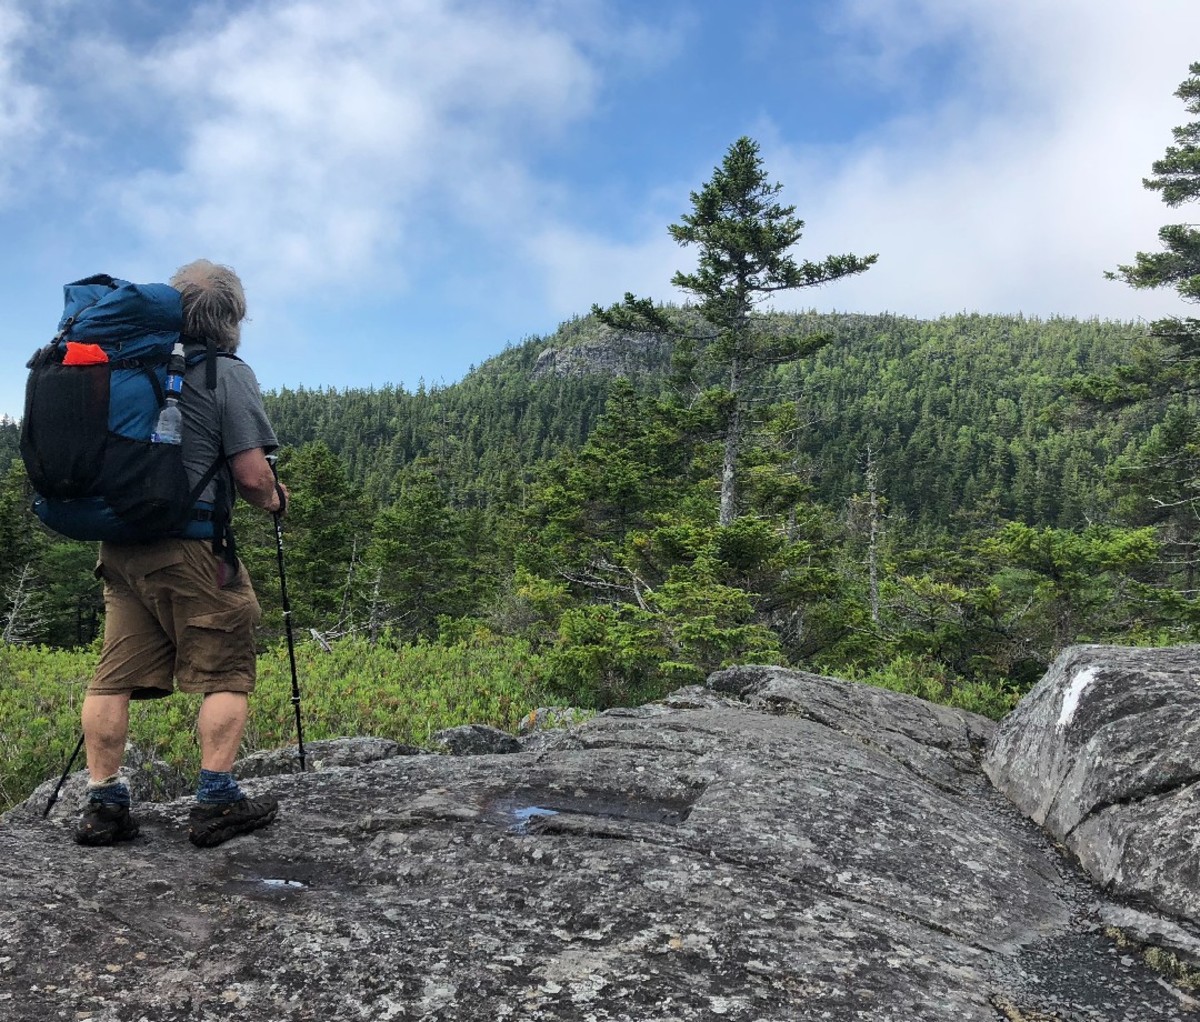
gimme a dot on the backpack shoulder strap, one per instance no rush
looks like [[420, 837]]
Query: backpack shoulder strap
[[224, 545], [209, 357]]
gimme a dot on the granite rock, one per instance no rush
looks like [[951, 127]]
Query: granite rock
[[774, 846], [1104, 753]]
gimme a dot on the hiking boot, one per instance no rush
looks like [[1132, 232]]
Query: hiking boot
[[102, 823], [211, 823]]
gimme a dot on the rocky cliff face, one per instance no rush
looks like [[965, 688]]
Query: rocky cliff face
[[612, 354], [774, 846]]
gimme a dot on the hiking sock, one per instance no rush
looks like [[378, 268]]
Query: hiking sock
[[218, 787], [112, 791]]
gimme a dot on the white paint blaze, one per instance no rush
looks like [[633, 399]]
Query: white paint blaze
[[1074, 691]]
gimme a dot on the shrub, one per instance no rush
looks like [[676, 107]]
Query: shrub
[[405, 693]]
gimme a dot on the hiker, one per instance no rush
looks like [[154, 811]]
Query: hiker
[[182, 612]]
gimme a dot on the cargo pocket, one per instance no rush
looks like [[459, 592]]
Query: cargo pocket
[[221, 643]]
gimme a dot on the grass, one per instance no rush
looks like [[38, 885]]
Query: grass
[[406, 693]]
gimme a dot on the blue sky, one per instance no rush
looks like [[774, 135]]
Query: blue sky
[[407, 186]]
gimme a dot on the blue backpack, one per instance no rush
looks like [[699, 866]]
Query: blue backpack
[[92, 400]]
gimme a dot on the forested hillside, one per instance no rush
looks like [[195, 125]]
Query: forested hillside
[[963, 413], [920, 497], [478, 436], [966, 414]]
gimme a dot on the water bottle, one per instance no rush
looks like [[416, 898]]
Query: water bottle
[[169, 427]]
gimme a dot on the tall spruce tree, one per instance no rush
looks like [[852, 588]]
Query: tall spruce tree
[[1174, 363], [1161, 476], [744, 236]]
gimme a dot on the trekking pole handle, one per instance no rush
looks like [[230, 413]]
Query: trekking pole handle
[[272, 459]]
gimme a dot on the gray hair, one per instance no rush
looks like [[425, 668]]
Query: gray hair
[[214, 303]]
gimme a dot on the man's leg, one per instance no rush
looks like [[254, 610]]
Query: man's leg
[[221, 723], [221, 664], [106, 817], [105, 728], [137, 654], [222, 810]]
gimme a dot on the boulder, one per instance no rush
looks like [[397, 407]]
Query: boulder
[[322, 754], [1104, 753], [539, 728], [775, 846], [149, 779]]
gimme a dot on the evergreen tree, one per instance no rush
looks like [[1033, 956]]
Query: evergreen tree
[[1177, 177], [1072, 585], [1171, 361], [24, 608], [328, 528], [1161, 477], [418, 561], [744, 236]]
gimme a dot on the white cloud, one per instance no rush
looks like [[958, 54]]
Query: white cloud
[[578, 268], [21, 103], [315, 137], [1014, 194], [391, 142], [1022, 207]]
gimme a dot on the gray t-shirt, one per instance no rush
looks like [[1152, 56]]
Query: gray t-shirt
[[228, 420]]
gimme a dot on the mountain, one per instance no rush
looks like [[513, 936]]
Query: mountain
[[960, 413]]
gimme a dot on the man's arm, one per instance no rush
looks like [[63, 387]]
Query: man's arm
[[255, 480]]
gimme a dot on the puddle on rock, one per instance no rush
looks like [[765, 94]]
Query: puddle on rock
[[519, 809], [270, 878], [524, 815]]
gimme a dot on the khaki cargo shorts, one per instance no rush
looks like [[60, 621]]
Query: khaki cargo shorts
[[168, 622]]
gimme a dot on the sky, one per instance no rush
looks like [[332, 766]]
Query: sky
[[407, 187]]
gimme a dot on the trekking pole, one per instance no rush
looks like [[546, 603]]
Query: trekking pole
[[63, 780], [287, 616]]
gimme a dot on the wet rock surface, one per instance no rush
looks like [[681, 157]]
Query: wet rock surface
[[776, 846]]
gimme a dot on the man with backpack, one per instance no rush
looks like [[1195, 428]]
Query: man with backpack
[[180, 611]]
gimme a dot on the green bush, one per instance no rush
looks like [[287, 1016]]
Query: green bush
[[927, 679], [40, 694], [390, 690], [405, 693]]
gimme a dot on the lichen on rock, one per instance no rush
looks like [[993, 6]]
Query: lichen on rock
[[776, 845]]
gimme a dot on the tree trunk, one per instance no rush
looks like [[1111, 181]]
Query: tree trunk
[[875, 530], [23, 620], [375, 610], [732, 441]]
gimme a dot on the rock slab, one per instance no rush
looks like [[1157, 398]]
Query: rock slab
[[777, 846]]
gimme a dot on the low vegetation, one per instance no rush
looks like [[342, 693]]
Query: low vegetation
[[406, 693]]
